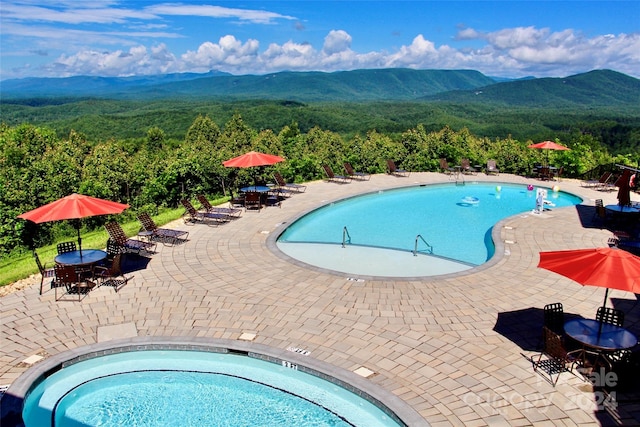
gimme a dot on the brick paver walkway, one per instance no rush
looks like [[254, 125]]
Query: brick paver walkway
[[435, 343]]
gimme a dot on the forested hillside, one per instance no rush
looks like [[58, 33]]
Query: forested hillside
[[150, 153]]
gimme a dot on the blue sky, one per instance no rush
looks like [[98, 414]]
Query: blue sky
[[63, 38]]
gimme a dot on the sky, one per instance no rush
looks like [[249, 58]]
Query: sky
[[62, 38]]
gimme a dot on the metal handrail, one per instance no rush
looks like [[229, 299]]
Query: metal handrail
[[415, 247], [346, 237]]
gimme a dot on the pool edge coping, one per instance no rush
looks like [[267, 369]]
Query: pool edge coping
[[498, 255], [13, 399]]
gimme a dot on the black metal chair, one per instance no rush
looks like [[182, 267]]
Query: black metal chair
[[65, 247], [611, 316], [554, 317], [45, 273], [557, 357]]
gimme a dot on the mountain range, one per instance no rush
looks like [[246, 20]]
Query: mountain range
[[595, 88]]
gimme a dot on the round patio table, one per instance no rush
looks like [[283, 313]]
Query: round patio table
[[623, 209], [256, 188], [600, 338], [88, 256]]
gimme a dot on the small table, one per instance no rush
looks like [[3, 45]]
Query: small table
[[75, 258], [255, 188], [623, 209], [601, 337]]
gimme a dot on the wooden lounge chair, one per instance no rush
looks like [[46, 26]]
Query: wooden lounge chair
[[445, 168], [165, 235], [465, 167], [492, 168], [594, 183], [332, 177], [392, 169], [206, 205], [73, 281], [117, 236], [288, 186], [192, 215], [351, 173]]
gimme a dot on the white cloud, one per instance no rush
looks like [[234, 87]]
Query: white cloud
[[509, 52]]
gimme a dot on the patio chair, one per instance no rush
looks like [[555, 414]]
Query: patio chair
[[236, 200], [392, 169], [610, 316], [65, 247], [492, 168], [165, 235], [557, 358], [332, 177], [593, 183], [600, 213], [289, 186], [45, 273], [351, 173], [73, 281], [252, 200], [112, 274], [465, 167], [445, 168], [230, 212], [554, 317], [117, 236], [192, 215]]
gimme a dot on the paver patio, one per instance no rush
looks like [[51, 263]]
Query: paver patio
[[433, 342]]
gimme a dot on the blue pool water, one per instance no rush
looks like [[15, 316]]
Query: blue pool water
[[455, 220], [192, 388]]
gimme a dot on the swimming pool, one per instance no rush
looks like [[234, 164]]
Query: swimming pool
[[449, 226], [145, 386]]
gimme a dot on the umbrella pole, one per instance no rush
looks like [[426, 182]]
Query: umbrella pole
[[606, 293], [79, 238]]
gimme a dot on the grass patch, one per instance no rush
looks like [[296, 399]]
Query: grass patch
[[21, 266]]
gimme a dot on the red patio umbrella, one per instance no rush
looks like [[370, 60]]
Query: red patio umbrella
[[251, 159], [548, 145], [609, 268], [73, 206]]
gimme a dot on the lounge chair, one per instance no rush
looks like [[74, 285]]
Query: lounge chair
[[593, 183], [165, 235], [192, 215], [465, 167], [392, 169], [45, 273], [288, 186], [492, 168], [332, 177], [206, 205], [112, 274], [117, 236], [445, 168], [73, 281], [351, 173]]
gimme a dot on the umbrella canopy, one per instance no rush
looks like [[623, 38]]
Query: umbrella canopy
[[609, 268], [624, 189], [548, 145], [251, 159], [73, 206]]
